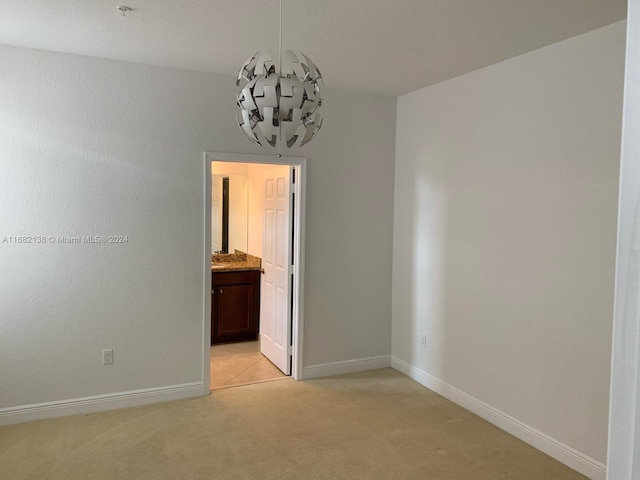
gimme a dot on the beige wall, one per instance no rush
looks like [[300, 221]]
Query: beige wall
[[256, 215]]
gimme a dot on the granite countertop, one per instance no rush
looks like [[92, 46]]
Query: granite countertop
[[235, 262]]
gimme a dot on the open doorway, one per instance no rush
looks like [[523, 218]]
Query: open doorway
[[253, 292]]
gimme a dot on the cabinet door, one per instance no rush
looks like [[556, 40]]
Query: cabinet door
[[235, 306], [234, 314]]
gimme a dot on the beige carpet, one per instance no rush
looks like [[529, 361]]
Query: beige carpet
[[370, 425]]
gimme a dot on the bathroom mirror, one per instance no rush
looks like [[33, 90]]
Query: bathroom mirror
[[229, 212]]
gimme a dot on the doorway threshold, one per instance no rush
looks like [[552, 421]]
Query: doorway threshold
[[224, 387], [237, 364]]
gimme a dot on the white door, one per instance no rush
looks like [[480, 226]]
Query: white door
[[216, 213], [275, 311]]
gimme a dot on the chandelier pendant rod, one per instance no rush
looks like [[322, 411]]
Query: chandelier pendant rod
[[280, 44], [280, 72]]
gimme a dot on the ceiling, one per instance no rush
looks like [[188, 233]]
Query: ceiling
[[388, 47]]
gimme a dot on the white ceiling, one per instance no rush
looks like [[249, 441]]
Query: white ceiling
[[390, 47]]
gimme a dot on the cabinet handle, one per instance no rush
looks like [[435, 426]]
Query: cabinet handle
[[220, 291]]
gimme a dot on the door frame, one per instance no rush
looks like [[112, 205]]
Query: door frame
[[297, 317]]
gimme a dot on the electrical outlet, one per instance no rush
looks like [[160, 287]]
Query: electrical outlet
[[424, 341], [107, 357]]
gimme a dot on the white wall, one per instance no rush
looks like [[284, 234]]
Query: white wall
[[504, 236], [624, 428], [90, 146]]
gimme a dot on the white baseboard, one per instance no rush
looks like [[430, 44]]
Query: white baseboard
[[537, 439], [84, 405], [347, 366]]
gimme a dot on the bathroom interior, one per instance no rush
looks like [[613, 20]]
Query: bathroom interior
[[238, 240]]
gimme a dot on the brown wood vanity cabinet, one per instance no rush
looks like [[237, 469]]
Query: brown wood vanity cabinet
[[235, 306]]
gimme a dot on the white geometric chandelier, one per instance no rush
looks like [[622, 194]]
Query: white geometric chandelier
[[279, 105]]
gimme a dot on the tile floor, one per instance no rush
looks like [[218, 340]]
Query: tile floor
[[234, 364]]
